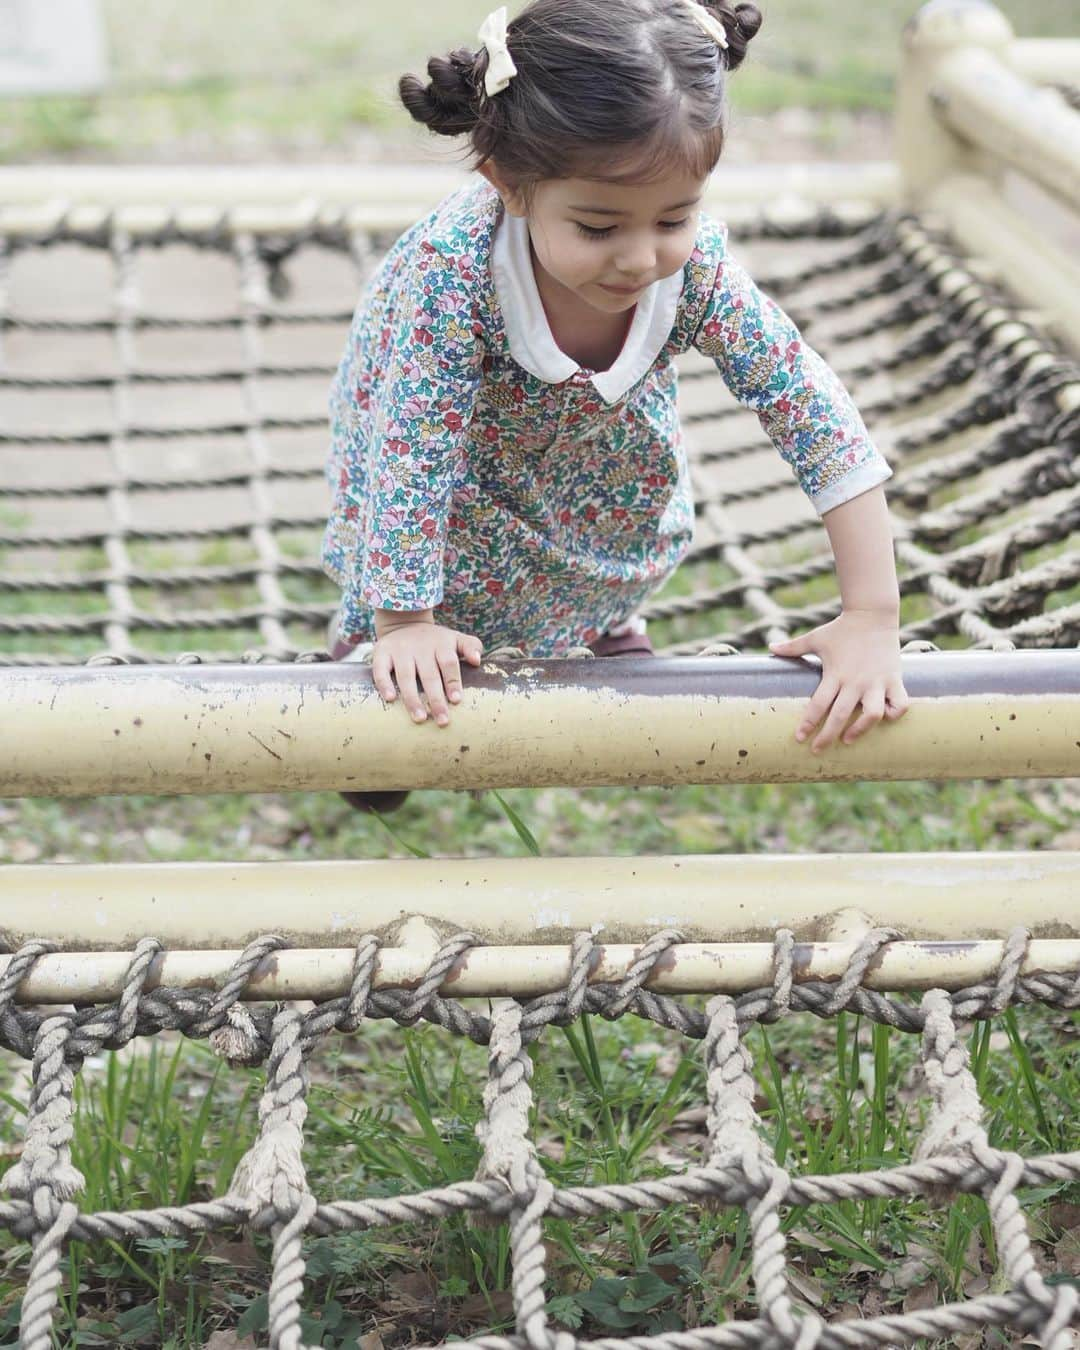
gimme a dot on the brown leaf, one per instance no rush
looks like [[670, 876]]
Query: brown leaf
[[908, 1274], [229, 1340], [1067, 1252], [805, 1238], [477, 1308], [812, 1290], [1061, 1217], [873, 1304], [410, 1290], [371, 1340], [923, 1296], [241, 1255]]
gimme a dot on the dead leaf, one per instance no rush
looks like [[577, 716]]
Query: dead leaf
[[922, 1297], [1067, 1252], [812, 1290], [908, 1274], [371, 1340], [478, 1308], [873, 1304], [1063, 1216], [241, 1255], [229, 1340], [805, 1238], [409, 1291]]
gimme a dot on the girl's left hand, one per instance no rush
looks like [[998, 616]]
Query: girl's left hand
[[860, 664]]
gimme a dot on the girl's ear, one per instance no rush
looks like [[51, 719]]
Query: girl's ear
[[511, 198]]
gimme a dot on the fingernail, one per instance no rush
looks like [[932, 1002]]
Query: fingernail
[[419, 716], [455, 697]]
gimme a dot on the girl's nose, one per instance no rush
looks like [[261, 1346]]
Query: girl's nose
[[636, 261]]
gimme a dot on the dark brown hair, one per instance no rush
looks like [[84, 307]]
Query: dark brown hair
[[594, 77]]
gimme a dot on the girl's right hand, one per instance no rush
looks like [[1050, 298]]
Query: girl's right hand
[[411, 647]]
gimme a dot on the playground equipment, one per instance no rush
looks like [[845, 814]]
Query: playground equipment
[[162, 495]]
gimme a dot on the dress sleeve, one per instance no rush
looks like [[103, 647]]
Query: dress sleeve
[[422, 404], [801, 403]]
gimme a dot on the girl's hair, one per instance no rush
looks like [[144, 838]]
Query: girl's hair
[[593, 76]]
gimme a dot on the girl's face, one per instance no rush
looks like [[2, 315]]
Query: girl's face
[[606, 242]]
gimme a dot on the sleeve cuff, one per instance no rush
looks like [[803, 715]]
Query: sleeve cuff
[[854, 484]]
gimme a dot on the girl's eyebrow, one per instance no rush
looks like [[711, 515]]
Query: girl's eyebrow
[[608, 211]]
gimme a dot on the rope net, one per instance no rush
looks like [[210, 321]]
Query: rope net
[[269, 1189], [164, 435]]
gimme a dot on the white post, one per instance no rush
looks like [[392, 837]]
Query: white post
[[927, 150]]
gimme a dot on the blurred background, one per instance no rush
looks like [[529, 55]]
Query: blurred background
[[202, 80]]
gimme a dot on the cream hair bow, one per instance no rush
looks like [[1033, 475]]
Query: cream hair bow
[[501, 68], [708, 22]]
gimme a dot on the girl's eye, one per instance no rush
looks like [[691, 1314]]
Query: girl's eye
[[591, 233]]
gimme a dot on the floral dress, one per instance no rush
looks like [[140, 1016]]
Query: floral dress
[[478, 471]]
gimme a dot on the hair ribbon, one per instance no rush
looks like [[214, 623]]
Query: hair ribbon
[[709, 22], [501, 68]]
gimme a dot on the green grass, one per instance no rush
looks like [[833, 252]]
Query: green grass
[[393, 1112], [223, 79]]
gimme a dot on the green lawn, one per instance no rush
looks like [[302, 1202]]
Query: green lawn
[[217, 78]]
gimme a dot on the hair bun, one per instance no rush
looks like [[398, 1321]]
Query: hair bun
[[741, 25], [449, 104]]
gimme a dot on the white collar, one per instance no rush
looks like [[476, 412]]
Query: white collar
[[529, 333]]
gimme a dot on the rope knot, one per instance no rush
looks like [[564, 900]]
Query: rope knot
[[271, 1172], [45, 1163], [238, 1041], [955, 1126], [509, 1153]]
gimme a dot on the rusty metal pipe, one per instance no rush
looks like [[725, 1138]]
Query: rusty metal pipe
[[233, 728], [691, 968]]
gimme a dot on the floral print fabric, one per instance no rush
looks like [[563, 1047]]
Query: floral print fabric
[[533, 513]]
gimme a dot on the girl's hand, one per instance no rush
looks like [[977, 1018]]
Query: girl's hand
[[412, 646], [860, 664]]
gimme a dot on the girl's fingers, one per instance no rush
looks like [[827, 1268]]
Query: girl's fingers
[[380, 674], [841, 710], [873, 709], [471, 648], [897, 701], [818, 706], [451, 673], [799, 646], [431, 678], [406, 678]]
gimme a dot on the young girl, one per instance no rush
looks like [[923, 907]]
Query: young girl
[[507, 463]]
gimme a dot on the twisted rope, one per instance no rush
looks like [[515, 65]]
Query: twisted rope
[[269, 1190]]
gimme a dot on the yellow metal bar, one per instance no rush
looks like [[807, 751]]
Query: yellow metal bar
[[270, 197], [1046, 60], [1033, 129], [233, 728], [708, 898], [488, 972]]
